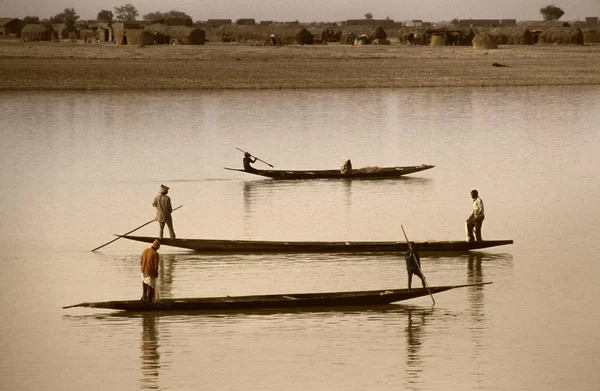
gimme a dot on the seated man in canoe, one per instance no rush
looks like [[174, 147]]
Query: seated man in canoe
[[347, 167], [247, 160]]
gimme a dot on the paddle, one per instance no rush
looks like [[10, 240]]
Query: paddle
[[270, 165], [417, 263], [143, 225]]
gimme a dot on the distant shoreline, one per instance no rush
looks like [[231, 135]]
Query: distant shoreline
[[92, 66]]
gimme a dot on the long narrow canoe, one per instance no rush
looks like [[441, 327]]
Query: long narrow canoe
[[256, 246], [279, 301], [359, 173]]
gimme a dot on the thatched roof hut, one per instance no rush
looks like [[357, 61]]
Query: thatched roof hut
[[37, 32], [513, 36], [182, 35], [285, 34], [562, 36], [138, 37], [484, 40], [304, 37]]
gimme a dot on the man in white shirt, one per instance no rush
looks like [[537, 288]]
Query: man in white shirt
[[475, 220]]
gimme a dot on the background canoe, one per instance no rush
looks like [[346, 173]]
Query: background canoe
[[283, 301], [360, 173], [256, 246]]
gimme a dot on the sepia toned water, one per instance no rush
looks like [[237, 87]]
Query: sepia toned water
[[78, 167]]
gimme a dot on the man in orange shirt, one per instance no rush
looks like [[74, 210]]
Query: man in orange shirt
[[149, 268]]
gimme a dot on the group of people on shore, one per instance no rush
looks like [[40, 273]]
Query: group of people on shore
[[149, 262]]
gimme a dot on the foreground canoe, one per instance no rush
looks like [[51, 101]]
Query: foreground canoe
[[281, 301], [359, 173], [256, 246]]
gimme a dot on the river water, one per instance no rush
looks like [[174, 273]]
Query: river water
[[78, 167]]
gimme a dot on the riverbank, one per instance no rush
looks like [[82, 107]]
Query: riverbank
[[91, 66]]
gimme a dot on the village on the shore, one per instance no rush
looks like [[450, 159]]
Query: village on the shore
[[178, 28]]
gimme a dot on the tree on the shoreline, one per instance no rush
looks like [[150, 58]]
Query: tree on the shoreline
[[551, 12], [159, 16], [126, 13], [106, 16], [29, 20], [68, 16], [369, 15]]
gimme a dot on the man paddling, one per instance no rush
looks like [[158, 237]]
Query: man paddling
[[413, 264], [162, 203], [149, 268]]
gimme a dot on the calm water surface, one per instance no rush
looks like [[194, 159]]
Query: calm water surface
[[80, 167]]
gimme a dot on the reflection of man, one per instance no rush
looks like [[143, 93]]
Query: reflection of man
[[150, 358], [475, 220], [162, 203], [149, 268]]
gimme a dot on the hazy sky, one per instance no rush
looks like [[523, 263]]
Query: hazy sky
[[313, 10]]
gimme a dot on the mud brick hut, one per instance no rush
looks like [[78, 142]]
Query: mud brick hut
[[129, 33]]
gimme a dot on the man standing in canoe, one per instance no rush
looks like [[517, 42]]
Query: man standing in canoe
[[149, 268], [413, 264], [475, 220], [162, 203], [247, 160]]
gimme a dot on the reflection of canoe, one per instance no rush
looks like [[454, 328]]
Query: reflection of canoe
[[360, 173], [256, 246], [293, 300]]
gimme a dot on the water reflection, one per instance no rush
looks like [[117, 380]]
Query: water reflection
[[150, 357], [475, 293], [415, 330], [165, 275]]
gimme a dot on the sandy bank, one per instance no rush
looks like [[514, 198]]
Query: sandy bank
[[80, 66]]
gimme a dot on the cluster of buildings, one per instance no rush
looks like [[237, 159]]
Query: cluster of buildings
[[183, 30]]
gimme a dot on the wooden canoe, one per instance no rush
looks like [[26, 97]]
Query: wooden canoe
[[256, 246], [359, 173], [279, 301]]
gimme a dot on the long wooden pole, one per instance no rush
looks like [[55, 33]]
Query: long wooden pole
[[260, 160], [133, 230], [417, 263]]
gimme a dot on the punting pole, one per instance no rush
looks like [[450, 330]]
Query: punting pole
[[417, 263], [260, 160], [133, 230]]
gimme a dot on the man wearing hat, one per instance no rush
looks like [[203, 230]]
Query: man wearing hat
[[149, 268], [162, 203]]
